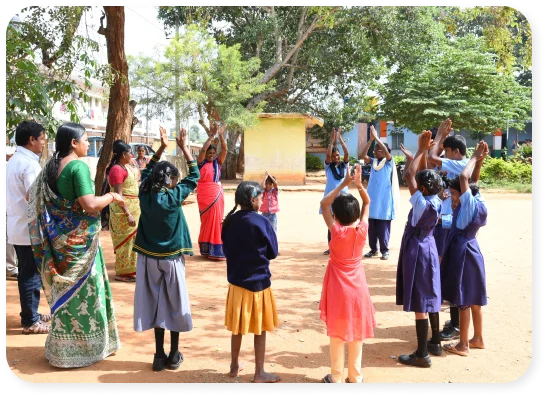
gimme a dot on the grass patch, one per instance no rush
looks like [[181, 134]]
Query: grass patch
[[511, 186]]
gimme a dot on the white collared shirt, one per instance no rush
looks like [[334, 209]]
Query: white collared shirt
[[21, 172]]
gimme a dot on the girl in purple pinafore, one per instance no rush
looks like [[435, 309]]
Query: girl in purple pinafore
[[463, 268], [418, 273]]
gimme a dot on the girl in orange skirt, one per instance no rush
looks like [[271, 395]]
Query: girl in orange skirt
[[249, 243], [345, 304]]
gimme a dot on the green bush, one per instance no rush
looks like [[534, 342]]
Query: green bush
[[496, 171], [399, 159], [313, 163], [352, 160], [526, 150]]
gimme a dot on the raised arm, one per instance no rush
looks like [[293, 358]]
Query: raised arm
[[223, 154], [381, 144], [443, 132], [327, 201], [477, 168], [367, 158], [357, 180], [345, 150], [273, 179], [330, 147], [479, 153], [146, 172], [203, 151], [265, 179], [424, 144]]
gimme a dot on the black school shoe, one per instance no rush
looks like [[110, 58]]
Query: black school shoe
[[159, 362], [434, 348], [174, 360], [449, 332], [371, 253], [414, 360]]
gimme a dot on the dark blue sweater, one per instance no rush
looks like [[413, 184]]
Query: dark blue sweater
[[249, 242]]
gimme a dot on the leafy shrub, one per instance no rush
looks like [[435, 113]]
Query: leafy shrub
[[352, 160], [526, 150], [399, 159], [496, 170], [312, 162]]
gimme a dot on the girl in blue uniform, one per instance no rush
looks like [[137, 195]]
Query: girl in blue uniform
[[418, 273], [335, 169], [382, 199], [463, 268]]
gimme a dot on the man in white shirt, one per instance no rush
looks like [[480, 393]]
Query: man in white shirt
[[11, 260], [21, 171]]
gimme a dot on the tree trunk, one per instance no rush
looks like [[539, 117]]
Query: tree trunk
[[120, 115], [229, 169], [241, 157]]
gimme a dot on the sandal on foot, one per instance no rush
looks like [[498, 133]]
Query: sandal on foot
[[125, 279], [45, 318], [37, 328], [473, 346], [450, 347]]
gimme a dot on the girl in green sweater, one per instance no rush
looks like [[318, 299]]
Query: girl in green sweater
[[162, 240]]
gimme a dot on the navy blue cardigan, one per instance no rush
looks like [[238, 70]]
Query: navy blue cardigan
[[249, 243]]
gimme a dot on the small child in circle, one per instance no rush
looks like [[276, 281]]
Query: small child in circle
[[270, 201]]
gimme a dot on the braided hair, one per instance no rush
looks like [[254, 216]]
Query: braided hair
[[63, 146], [161, 176], [120, 148], [244, 194], [431, 180]]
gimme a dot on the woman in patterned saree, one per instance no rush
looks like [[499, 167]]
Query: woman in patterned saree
[[123, 176], [64, 223], [210, 196]]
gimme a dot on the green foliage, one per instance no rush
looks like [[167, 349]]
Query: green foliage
[[352, 160], [526, 150], [313, 162], [202, 76], [461, 82], [399, 159], [48, 35], [495, 171]]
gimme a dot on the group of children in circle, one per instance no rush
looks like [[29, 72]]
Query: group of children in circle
[[440, 259]]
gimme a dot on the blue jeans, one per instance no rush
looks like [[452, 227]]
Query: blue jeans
[[272, 218], [29, 283]]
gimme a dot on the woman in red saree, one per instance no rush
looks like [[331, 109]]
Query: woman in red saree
[[210, 196]]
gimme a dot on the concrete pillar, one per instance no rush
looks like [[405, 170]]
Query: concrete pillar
[[497, 143]]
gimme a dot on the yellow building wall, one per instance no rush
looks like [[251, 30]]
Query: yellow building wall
[[278, 146]]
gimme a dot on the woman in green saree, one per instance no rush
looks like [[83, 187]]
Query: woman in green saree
[[64, 222]]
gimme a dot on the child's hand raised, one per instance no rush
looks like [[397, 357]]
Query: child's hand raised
[[348, 178], [481, 151], [373, 133], [182, 138], [357, 180], [164, 138], [425, 142], [445, 128], [406, 152]]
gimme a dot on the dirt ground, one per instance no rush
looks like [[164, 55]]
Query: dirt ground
[[298, 349]]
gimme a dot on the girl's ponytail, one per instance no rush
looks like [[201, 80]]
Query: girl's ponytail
[[225, 223]]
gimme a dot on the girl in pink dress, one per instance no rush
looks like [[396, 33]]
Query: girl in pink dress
[[345, 304]]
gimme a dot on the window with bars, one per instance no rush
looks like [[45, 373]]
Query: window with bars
[[397, 139]]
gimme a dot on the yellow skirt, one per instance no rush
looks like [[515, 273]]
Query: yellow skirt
[[250, 312]]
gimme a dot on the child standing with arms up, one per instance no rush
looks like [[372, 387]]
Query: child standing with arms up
[[162, 240], [418, 273], [463, 268], [345, 304], [270, 202], [249, 244]]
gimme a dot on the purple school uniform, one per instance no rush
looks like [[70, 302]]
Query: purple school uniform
[[418, 274], [440, 237], [463, 268]]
